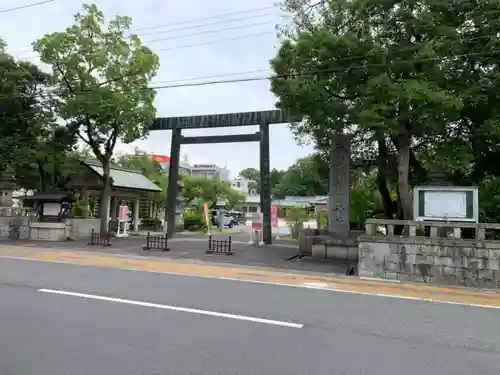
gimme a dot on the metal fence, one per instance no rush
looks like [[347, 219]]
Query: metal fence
[[219, 246], [156, 242], [96, 238]]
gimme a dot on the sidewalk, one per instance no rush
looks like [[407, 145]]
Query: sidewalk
[[194, 248]]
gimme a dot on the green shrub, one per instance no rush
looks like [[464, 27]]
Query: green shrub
[[296, 217], [194, 221], [81, 208], [150, 223], [322, 219]]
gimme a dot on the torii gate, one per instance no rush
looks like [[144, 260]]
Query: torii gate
[[339, 183]]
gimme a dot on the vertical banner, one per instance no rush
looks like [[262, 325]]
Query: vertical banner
[[123, 213], [274, 216], [205, 212]]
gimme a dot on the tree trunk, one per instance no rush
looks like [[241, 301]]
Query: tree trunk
[[106, 192], [43, 181], [382, 179], [403, 176]]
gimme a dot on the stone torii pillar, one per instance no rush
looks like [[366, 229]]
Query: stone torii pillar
[[173, 183]]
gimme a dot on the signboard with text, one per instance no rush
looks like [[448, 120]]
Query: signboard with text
[[256, 221], [205, 213]]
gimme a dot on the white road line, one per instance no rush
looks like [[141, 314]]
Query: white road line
[[174, 308], [316, 285]]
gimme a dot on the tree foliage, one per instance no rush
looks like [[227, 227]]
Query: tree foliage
[[416, 78], [101, 79], [308, 176], [34, 148], [210, 190], [253, 175]]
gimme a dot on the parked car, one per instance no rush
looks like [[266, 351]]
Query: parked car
[[228, 220], [239, 217]]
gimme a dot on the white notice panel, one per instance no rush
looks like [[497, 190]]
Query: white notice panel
[[445, 204], [51, 209]]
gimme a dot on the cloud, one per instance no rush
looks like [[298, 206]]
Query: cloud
[[229, 55]]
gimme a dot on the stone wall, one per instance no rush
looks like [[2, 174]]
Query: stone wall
[[78, 229], [75, 229], [5, 224], [443, 260]]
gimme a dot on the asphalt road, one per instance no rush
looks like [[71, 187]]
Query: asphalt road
[[129, 322]]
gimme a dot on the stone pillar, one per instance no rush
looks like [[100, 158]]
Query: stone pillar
[[114, 206], [107, 213], [338, 203], [173, 187], [136, 214], [265, 188]]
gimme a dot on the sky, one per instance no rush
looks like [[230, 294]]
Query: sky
[[200, 41]]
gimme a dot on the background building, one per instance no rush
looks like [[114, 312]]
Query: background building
[[210, 171], [205, 170], [241, 185]]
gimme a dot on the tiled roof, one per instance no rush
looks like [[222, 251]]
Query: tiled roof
[[125, 178]]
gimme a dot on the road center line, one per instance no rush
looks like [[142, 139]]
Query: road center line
[[174, 308]]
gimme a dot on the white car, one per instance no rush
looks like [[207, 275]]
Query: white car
[[227, 220]]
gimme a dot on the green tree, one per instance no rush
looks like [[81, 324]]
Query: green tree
[[48, 162], [101, 84], [308, 176], [364, 201], [210, 190], [253, 175], [368, 67], [34, 148]]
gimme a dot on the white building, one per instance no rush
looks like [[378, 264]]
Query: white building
[[210, 170], [242, 186], [201, 170]]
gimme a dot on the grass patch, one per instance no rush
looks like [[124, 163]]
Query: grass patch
[[225, 231], [286, 238]]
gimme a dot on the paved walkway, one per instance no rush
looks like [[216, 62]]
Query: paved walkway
[[194, 248]]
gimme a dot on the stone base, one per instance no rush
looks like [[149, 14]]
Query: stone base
[[48, 231], [320, 243], [339, 252]]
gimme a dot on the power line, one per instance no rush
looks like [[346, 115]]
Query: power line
[[189, 28], [26, 6], [184, 46], [207, 32], [204, 25], [212, 76], [324, 71], [266, 78], [215, 41], [207, 18], [349, 58]]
